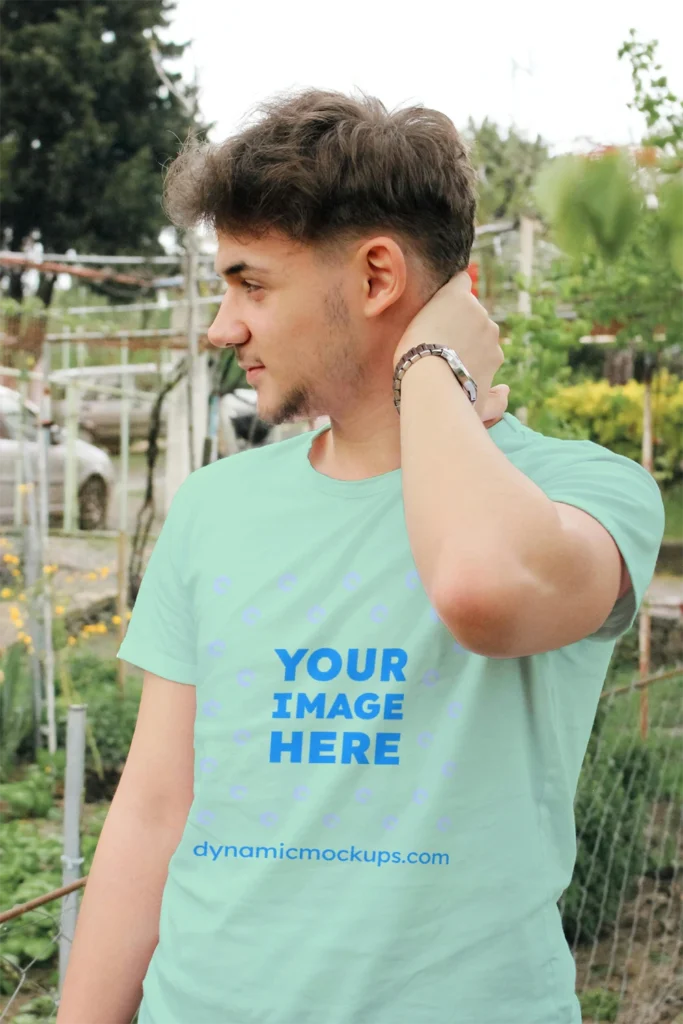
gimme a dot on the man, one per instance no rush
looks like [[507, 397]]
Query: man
[[373, 652]]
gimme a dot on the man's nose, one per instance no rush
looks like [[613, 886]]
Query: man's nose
[[227, 329]]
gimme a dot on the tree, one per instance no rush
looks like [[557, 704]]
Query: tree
[[618, 216], [87, 125], [507, 166]]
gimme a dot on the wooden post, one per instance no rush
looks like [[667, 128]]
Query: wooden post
[[644, 637], [645, 623]]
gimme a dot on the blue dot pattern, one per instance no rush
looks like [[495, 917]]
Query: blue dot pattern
[[412, 580], [331, 820], [316, 614], [268, 819], [379, 613], [222, 584], [420, 796], [245, 677], [216, 648], [448, 769], [287, 582], [210, 708], [390, 822], [351, 581], [301, 793], [238, 792], [208, 764], [241, 736], [205, 817], [430, 677], [424, 739], [250, 616], [363, 795]]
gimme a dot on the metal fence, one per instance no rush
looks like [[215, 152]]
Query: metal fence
[[622, 914]]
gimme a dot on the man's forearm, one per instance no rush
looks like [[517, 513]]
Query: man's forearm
[[118, 921], [478, 527]]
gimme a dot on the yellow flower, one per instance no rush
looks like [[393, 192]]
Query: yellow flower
[[71, 641], [102, 627], [49, 569], [116, 620], [15, 572], [5, 592], [104, 571], [20, 636], [22, 597], [91, 576], [59, 609], [8, 558], [14, 611], [19, 623], [27, 640]]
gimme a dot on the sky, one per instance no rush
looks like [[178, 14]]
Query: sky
[[549, 69]]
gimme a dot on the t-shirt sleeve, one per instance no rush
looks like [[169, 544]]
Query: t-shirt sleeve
[[161, 635], [626, 500]]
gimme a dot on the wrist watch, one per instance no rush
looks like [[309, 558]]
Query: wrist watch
[[452, 358]]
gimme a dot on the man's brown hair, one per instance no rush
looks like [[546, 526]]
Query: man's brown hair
[[321, 167]]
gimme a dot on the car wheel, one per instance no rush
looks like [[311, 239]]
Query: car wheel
[[92, 504]]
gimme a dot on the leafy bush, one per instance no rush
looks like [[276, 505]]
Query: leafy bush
[[599, 1004], [111, 718], [29, 797], [613, 417], [16, 707], [30, 866], [610, 849]]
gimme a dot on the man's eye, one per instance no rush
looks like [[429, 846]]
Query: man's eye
[[250, 287]]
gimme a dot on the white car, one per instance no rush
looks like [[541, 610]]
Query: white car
[[95, 470]]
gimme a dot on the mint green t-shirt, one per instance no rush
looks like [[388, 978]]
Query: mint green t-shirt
[[382, 822]]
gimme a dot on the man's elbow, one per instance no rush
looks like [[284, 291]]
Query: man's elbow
[[480, 619]]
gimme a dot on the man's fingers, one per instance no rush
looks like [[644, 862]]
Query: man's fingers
[[496, 404]]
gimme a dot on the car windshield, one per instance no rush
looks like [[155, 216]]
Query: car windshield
[[12, 420]]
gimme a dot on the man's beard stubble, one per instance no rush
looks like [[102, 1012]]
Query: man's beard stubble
[[341, 370]]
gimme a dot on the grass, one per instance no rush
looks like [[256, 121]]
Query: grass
[[673, 508]]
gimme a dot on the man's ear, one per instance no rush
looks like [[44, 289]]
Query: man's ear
[[383, 274]]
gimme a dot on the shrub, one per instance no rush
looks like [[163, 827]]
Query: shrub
[[613, 417], [111, 718]]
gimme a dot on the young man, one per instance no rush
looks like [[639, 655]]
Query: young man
[[373, 652]]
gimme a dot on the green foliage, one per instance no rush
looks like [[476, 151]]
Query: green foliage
[[609, 819], [30, 866], [16, 706], [662, 109], [30, 796], [87, 124], [625, 251], [599, 1004], [536, 353], [506, 166], [111, 719], [613, 417], [592, 204]]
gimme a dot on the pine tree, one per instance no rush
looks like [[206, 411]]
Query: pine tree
[[86, 124]]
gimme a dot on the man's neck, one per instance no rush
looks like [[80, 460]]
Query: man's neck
[[366, 443]]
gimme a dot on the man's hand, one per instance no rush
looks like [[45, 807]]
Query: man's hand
[[454, 317], [495, 405]]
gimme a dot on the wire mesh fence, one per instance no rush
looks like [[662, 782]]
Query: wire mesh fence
[[622, 913]]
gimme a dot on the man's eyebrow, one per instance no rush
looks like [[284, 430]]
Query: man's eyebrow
[[241, 268]]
